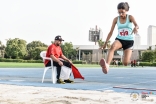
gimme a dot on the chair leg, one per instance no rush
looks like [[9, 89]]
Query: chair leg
[[45, 69], [54, 75]]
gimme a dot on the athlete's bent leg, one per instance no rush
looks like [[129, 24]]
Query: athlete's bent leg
[[105, 64], [127, 56], [115, 46]]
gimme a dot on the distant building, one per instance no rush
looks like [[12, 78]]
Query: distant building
[[151, 35], [92, 53], [137, 40]]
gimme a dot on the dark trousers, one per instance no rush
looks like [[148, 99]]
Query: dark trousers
[[67, 64]]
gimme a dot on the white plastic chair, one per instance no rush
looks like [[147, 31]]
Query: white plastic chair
[[53, 77]]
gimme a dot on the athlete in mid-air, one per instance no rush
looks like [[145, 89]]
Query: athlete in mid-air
[[125, 36]]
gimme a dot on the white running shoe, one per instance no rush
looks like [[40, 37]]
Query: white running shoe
[[104, 65]]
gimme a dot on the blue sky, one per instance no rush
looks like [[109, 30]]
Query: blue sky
[[44, 19]]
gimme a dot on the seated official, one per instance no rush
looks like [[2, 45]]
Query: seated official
[[63, 65]]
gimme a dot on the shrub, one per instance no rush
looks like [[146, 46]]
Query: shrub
[[77, 62], [145, 64], [20, 60], [94, 62]]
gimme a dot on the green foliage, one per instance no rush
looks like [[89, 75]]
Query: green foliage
[[31, 61], [154, 54], [16, 48], [148, 55], [77, 62], [34, 48], [2, 50], [147, 64], [101, 43], [20, 60], [67, 49], [108, 44], [36, 52], [95, 63], [34, 44], [153, 64]]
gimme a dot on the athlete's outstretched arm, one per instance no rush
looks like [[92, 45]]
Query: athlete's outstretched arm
[[132, 19], [111, 31]]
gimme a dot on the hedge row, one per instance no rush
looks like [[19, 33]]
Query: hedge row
[[74, 62], [20, 60], [32, 61], [147, 64], [141, 63]]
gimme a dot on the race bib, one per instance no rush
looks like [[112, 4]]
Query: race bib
[[123, 32]]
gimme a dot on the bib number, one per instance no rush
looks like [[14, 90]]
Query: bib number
[[123, 32]]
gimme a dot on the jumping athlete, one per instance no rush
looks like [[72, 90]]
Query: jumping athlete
[[125, 36]]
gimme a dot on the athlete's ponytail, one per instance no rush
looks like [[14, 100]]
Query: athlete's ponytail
[[127, 5]]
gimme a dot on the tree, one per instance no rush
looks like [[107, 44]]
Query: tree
[[2, 50], [67, 49], [108, 44], [101, 43], [16, 48], [148, 56], [36, 52], [35, 46]]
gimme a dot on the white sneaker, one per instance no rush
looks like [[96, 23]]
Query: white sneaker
[[104, 65]]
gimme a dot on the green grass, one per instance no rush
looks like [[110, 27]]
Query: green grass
[[36, 65], [20, 65]]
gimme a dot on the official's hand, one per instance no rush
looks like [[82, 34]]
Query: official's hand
[[60, 63], [70, 61]]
